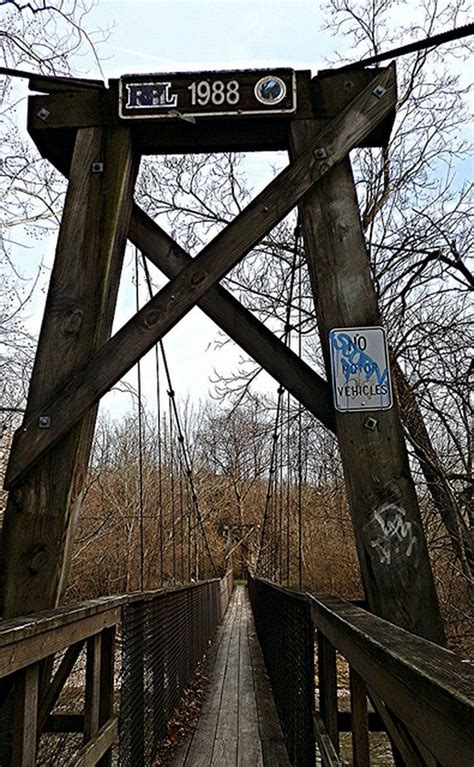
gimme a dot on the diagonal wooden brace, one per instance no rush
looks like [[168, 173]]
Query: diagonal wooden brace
[[241, 325], [154, 320]]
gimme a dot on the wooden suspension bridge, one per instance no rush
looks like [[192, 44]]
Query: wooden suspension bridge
[[273, 698]]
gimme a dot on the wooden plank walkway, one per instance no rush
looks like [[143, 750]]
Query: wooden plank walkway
[[238, 726]]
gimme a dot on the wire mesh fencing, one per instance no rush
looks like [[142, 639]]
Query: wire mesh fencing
[[286, 635], [164, 636]]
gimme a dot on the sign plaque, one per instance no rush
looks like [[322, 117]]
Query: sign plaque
[[207, 94], [360, 369]]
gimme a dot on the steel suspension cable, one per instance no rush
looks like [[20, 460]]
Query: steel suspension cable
[[270, 497], [141, 499], [432, 42], [180, 436]]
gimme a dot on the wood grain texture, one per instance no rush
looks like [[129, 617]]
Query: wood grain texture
[[399, 587], [42, 511], [92, 697], [238, 723], [327, 676], [155, 319], [24, 718], [359, 720], [429, 688], [241, 325]]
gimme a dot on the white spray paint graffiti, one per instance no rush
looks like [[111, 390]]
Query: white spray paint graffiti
[[391, 533]]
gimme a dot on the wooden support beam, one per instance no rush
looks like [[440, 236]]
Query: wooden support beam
[[57, 683], [399, 587], [116, 357], [42, 510], [106, 699], [91, 754], [397, 734], [241, 325], [327, 683], [360, 720], [25, 711], [92, 698], [329, 755]]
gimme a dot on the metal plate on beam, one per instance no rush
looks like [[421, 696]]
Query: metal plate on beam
[[192, 94], [360, 369]]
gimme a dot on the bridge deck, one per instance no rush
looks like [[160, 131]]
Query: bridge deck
[[238, 725]]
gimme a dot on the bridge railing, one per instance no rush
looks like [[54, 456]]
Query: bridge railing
[[161, 637], [420, 694]]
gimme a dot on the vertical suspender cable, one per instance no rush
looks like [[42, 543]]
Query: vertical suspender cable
[[160, 462], [172, 492], [180, 435], [299, 430], [141, 500]]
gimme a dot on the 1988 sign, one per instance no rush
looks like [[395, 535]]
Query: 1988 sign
[[207, 93]]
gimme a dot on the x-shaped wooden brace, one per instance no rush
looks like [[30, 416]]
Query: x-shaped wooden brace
[[187, 288]]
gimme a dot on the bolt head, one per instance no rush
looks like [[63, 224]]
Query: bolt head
[[320, 153], [43, 113], [44, 421], [97, 167], [370, 423], [379, 91]]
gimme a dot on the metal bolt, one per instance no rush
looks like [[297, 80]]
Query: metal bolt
[[370, 423], [379, 91], [266, 209], [43, 113], [97, 167], [44, 421], [320, 153]]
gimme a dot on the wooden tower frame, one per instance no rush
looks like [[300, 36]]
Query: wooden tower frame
[[84, 129]]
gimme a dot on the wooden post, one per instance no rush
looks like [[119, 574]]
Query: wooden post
[[42, 508], [25, 713], [399, 588]]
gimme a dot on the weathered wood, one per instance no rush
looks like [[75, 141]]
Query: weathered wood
[[225, 750], [106, 692], [57, 683], [327, 680], [427, 687], [92, 697], [42, 510], [24, 717], [238, 722], [104, 739], [20, 653], [399, 587], [332, 91], [107, 366], [249, 745], [241, 325], [360, 720], [329, 755], [403, 747], [199, 751]]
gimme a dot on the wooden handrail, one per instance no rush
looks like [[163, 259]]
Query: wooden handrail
[[424, 693], [28, 643], [425, 685]]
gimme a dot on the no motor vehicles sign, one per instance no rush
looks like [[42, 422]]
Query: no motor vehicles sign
[[360, 369]]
